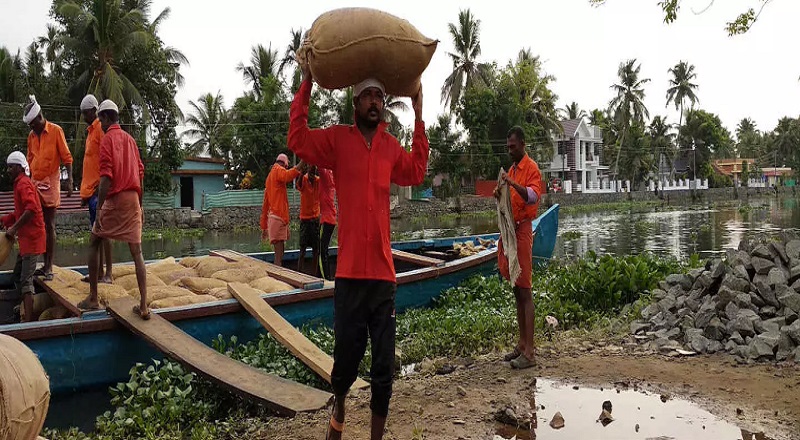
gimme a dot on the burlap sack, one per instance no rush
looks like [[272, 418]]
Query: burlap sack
[[190, 261], [129, 282], [122, 270], [346, 46], [66, 276], [41, 302], [171, 276], [201, 286], [209, 265], [24, 391], [5, 247], [157, 293], [239, 275], [220, 293], [55, 312], [181, 301], [105, 292], [270, 285]]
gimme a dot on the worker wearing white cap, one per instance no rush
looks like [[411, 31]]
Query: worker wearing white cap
[[119, 203], [90, 179], [47, 151]]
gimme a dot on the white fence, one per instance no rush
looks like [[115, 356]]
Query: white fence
[[679, 185]]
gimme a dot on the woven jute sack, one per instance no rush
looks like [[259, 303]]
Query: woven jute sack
[[24, 391], [346, 46]]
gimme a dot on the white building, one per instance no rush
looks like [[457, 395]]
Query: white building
[[577, 159]]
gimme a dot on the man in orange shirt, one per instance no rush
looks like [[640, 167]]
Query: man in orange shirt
[[525, 182], [275, 211], [47, 150], [308, 185], [91, 178], [366, 159], [119, 201], [327, 212], [26, 225]]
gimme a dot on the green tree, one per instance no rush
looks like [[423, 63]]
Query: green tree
[[264, 64], [627, 107], [290, 59], [466, 68], [637, 161], [704, 132], [783, 145], [749, 141], [739, 25], [210, 127], [572, 111], [447, 155], [662, 141], [10, 75], [393, 105]]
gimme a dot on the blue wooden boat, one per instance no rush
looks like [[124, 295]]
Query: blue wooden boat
[[95, 351]]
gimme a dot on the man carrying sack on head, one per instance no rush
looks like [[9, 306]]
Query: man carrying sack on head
[[26, 225], [520, 189], [275, 210], [365, 160], [119, 203], [47, 150], [90, 179]]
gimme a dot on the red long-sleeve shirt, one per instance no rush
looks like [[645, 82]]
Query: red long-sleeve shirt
[[31, 235], [363, 178], [120, 161]]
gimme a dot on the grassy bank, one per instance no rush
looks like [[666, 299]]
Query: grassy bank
[[163, 401], [147, 234]]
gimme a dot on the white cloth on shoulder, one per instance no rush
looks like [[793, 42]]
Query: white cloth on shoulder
[[508, 229]]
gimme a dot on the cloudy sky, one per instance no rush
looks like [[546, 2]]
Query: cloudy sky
[[754, 75]]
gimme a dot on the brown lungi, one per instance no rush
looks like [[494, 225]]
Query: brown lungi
[[50, 190], [120, 218]]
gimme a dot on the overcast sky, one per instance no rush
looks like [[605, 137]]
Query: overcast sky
[[754, 75]]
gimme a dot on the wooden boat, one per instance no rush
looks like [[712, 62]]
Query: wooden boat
[[91, 351]]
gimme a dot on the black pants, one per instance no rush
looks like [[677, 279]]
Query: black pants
[[324, 244], [309, 234], [362, 308]]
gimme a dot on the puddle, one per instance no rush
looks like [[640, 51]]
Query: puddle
[[636, 415]]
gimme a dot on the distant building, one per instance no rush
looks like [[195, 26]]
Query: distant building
[[577, 157], [196, 177], [732, 168]]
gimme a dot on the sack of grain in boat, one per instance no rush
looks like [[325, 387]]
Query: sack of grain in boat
[[5, 248], [190, 261], [346, 46], [166, 262], [24, 391], [239, 275], [209, 265], [156, 293], [270, 285], [55, 312], [105, 292], [185, 300], [129, 282], [201, 285], [121, 270], [173, 276], [66, 276], [220, 293], [41, 302]]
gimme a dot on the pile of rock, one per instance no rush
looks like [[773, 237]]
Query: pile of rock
[[746, 305]]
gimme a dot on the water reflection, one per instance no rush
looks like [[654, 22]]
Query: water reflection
[[682, 232]]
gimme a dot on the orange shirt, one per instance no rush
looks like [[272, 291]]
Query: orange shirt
[[327, 194], [46, 152], [527, 174], [363, 176], [91, 160], [309, 198], [31, 236], [278, 200], [264, 220], [120, 162]]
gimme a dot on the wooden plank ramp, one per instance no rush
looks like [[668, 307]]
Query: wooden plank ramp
[[288, 276], [419, 260], [282, 396], [286, 333]]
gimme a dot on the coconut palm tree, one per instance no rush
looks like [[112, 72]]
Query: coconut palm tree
[[104, 32], [627, 108], [393, 105], [290, 58], [9, 75], [748, 139], [466, 68], [662, 141], [174, 57], [264, 63], [53, 45], [208, 118], [681, 87], [572, 111]]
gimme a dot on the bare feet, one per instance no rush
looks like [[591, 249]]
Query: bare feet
[[88, 304], [143, 313], [106, 279]]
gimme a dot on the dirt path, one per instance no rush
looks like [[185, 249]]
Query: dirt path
[[461, 405]]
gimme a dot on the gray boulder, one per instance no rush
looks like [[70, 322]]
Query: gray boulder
[[724, 296], [768, 312], [736, 283], [778, 248], [686, 323], [667, 304], [756, 299], [776, 277], [743, 301], [714, 347], [703, 282], [704, 315], [718, 269], [736, 338], [793, 331], [794, 273], [690, 333], [789, 298], [640, 327], [792, 249], [740, 271], [650, 311], [761, 326], [658, 294], [715, 330], [695, 273], [730, 346], [699, 343], [789, 314], [786, 347], [796, 285], [742, 325], [767, 294], [764, 345], [762, 252], [762, 266], [679, 279], [731, 310]]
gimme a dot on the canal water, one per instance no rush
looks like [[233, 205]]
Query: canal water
[[675, 231]]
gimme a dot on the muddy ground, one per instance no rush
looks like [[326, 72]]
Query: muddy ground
[[462, 404]]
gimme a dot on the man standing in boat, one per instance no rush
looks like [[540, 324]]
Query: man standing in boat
[[47, 150], [327, 209], [90, 178], [275, 210], [26, 225], [308, 185], [525, 187], [119, 202], [365, 160]]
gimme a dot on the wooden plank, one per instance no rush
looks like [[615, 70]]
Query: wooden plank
[[288, 276], [53, 289], [285, 332], [283, 396], [419, 260]]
